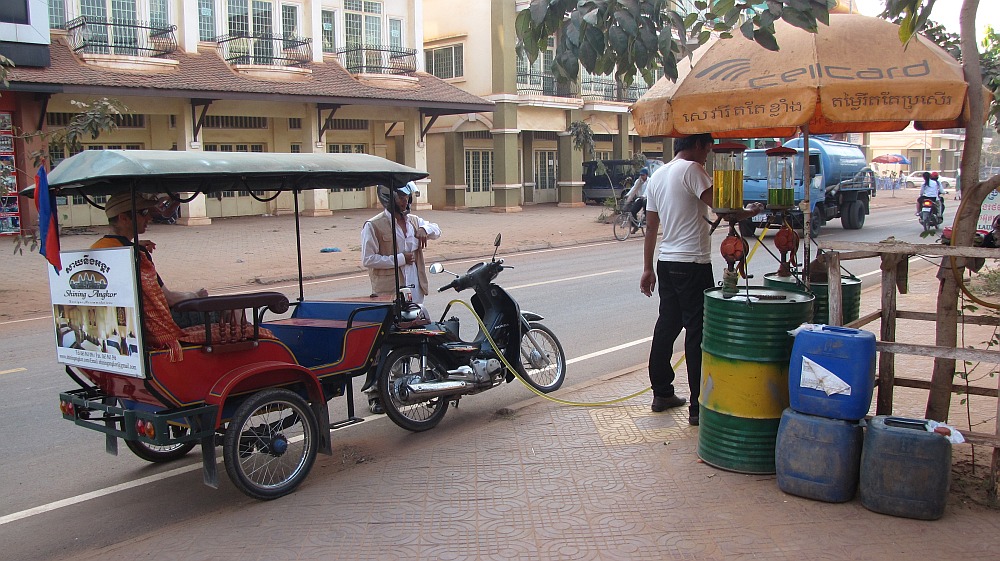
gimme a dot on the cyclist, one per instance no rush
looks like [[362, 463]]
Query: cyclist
[[636, 197]]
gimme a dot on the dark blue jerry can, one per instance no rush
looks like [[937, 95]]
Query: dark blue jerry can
[[818, 458], [832, 372], [905, 470]]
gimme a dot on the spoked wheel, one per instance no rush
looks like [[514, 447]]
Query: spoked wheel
[[401, 367], [623, 226], [270, 444], [543, 362], [161, 454]]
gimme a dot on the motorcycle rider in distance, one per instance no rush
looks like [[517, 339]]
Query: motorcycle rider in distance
[[931, 189], [635, 199]]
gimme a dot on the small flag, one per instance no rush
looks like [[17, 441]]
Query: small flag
[[48, 223]]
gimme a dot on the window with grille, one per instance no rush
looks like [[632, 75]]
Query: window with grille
[[126, 121], [159, 15], [123, 40], [445, 62], [396, 33], [346, 149], [57, 14], [206, 20], [347, 124], [99, 199], [289, 24], [295, 148], [603, 154], [261, 18], [362, 22], [234, 147], [537, 76], [294, 123], [238, 14], [478, 170], [234, 122], [327, 31]]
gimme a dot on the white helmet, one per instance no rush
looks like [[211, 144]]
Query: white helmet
[[410, 189]]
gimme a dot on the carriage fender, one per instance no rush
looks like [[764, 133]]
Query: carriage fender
[[221, 390]]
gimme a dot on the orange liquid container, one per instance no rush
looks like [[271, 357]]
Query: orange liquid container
[[728, 189], [727, 172]]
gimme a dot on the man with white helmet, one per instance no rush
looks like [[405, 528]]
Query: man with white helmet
[[411, 233]]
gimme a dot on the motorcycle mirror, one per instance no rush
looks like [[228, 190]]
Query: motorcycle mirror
[[436, 268], [496, 242]]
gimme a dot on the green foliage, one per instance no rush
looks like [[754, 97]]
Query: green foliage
[[5, 65], [583, 140], [629, 37], [93, 119]]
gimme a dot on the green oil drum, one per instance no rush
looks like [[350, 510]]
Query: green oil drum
[[850, 288], [744, 380]]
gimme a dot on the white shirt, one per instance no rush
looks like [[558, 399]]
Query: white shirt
[[407, 242], [931, 189], [638, 189], [673, 192]]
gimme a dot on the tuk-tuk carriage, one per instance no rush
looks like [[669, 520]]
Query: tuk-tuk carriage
[[253, 378]]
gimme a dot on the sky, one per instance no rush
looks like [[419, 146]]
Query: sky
[[945, 12]]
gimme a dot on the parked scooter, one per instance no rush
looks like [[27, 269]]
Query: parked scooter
[[930, 214], [426, 365]]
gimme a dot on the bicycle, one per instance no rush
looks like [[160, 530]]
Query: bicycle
[[624, 225]]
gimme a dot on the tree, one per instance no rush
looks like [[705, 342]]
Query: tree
[[93, 119], [628, 36]]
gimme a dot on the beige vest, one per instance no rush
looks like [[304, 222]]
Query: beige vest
[[382, 279]]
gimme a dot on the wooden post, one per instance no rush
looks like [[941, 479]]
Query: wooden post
[[886, 360], [834, 293]]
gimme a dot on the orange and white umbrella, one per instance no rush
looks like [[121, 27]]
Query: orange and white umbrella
[[851, 76]]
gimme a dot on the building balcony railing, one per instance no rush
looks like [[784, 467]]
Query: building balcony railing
[[605, 88], [532, 83], [265, 49], [378, 59], [90, 35]]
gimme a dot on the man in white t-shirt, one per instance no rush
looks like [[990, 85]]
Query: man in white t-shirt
[[679, 195]]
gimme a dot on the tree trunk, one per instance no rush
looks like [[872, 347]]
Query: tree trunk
[[964, 228]]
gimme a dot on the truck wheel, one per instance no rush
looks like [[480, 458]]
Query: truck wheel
[[747, 228], [853, 215], [814, 226]]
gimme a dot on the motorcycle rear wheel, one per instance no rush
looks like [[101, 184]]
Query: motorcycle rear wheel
[[546, 370], [399, 364]]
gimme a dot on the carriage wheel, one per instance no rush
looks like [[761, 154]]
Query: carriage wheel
[[270, 444]]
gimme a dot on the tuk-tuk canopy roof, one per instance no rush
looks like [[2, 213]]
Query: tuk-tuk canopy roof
[[106, 172]]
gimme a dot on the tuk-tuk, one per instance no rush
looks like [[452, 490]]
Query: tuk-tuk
[[256, 379]]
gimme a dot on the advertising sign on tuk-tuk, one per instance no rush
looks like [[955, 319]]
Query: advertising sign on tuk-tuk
[[95, 308]]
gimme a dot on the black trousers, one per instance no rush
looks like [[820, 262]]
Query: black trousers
[[682, 306]]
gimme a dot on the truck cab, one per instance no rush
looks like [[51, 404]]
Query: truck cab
[[841, 185]]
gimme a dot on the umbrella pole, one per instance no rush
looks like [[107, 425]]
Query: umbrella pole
[[807, 212]]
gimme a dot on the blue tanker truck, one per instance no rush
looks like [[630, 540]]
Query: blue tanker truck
[[842, 185]]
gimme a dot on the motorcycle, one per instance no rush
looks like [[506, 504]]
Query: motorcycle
[[426, 365], [930, 215]]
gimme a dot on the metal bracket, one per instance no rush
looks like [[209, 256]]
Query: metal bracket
[[424, 129], [198, 121], [325, 123], [45, 107]]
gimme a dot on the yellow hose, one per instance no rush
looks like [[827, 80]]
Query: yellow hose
[[512, 370]]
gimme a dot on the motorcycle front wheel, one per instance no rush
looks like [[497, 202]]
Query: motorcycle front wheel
[[542, 366], [402, 366]]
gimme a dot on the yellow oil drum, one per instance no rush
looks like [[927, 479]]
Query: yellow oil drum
[[744, 374]]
